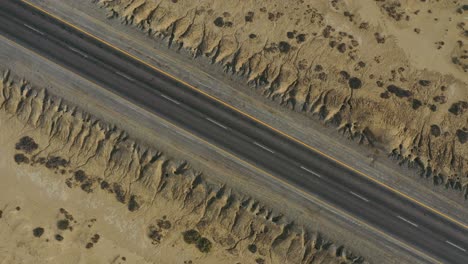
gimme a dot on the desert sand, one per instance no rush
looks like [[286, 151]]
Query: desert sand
[[391, 74], [77, 190]]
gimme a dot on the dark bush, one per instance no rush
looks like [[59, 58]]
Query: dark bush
[[63, 224], [322, 76], [385, 95], [133, 204], [441, 99], [435, 130], [87, 186], [95, 238], [164, 224], [219, 22], [416, 104], [20, 158], [300, 38], [284, 47], [249, 17], [119, 193], [154, 234], [458, 108], [398, 91], [104, 185], [191, 236], [38, 231], [354, 83], [424, 82], [341, 47], [80, 176], [204, 245], [462, 136], [345, 75], [26, 144], [252, 248], [55, 162]]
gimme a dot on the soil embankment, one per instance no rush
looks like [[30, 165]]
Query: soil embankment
[[387, 73], [89, 192]]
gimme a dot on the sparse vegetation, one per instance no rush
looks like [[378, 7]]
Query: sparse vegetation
[[354, 83], [191, 236], [80, 176], [458, 108], [21, 158], [204, 245], [38, 231], [284, 47], [133, 205], [259, 261], [119, 192], [26, 144], [399, 92], [63, 224], [164, 224], [55, 162], [252, 248]]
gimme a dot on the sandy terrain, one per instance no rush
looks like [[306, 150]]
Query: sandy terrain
[[360, 65], [87, 193]]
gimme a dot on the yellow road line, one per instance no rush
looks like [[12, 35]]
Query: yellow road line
[[251, 117], [285, 183]]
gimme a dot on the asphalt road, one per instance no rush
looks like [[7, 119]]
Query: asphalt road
[[253, 142]]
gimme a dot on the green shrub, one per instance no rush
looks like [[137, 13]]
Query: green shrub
[[26, 144], [252, 248], [191, 236], [204, 245]]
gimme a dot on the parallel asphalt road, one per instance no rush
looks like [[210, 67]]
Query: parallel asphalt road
[[415, 225]]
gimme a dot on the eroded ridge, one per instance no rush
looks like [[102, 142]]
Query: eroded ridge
[[361, 66], [96, 157]]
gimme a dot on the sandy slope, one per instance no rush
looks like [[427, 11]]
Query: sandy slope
[[122, 202], [389, 73]]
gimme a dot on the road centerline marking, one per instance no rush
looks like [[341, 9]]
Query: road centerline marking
[[310, 171], [34, 29], [359, 196], [170, 99], [216, 123], [407, 221], [78, 51], [125, 76], [455, 245], [263, 147]]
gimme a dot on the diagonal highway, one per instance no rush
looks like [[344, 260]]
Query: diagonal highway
[[429, 233]]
